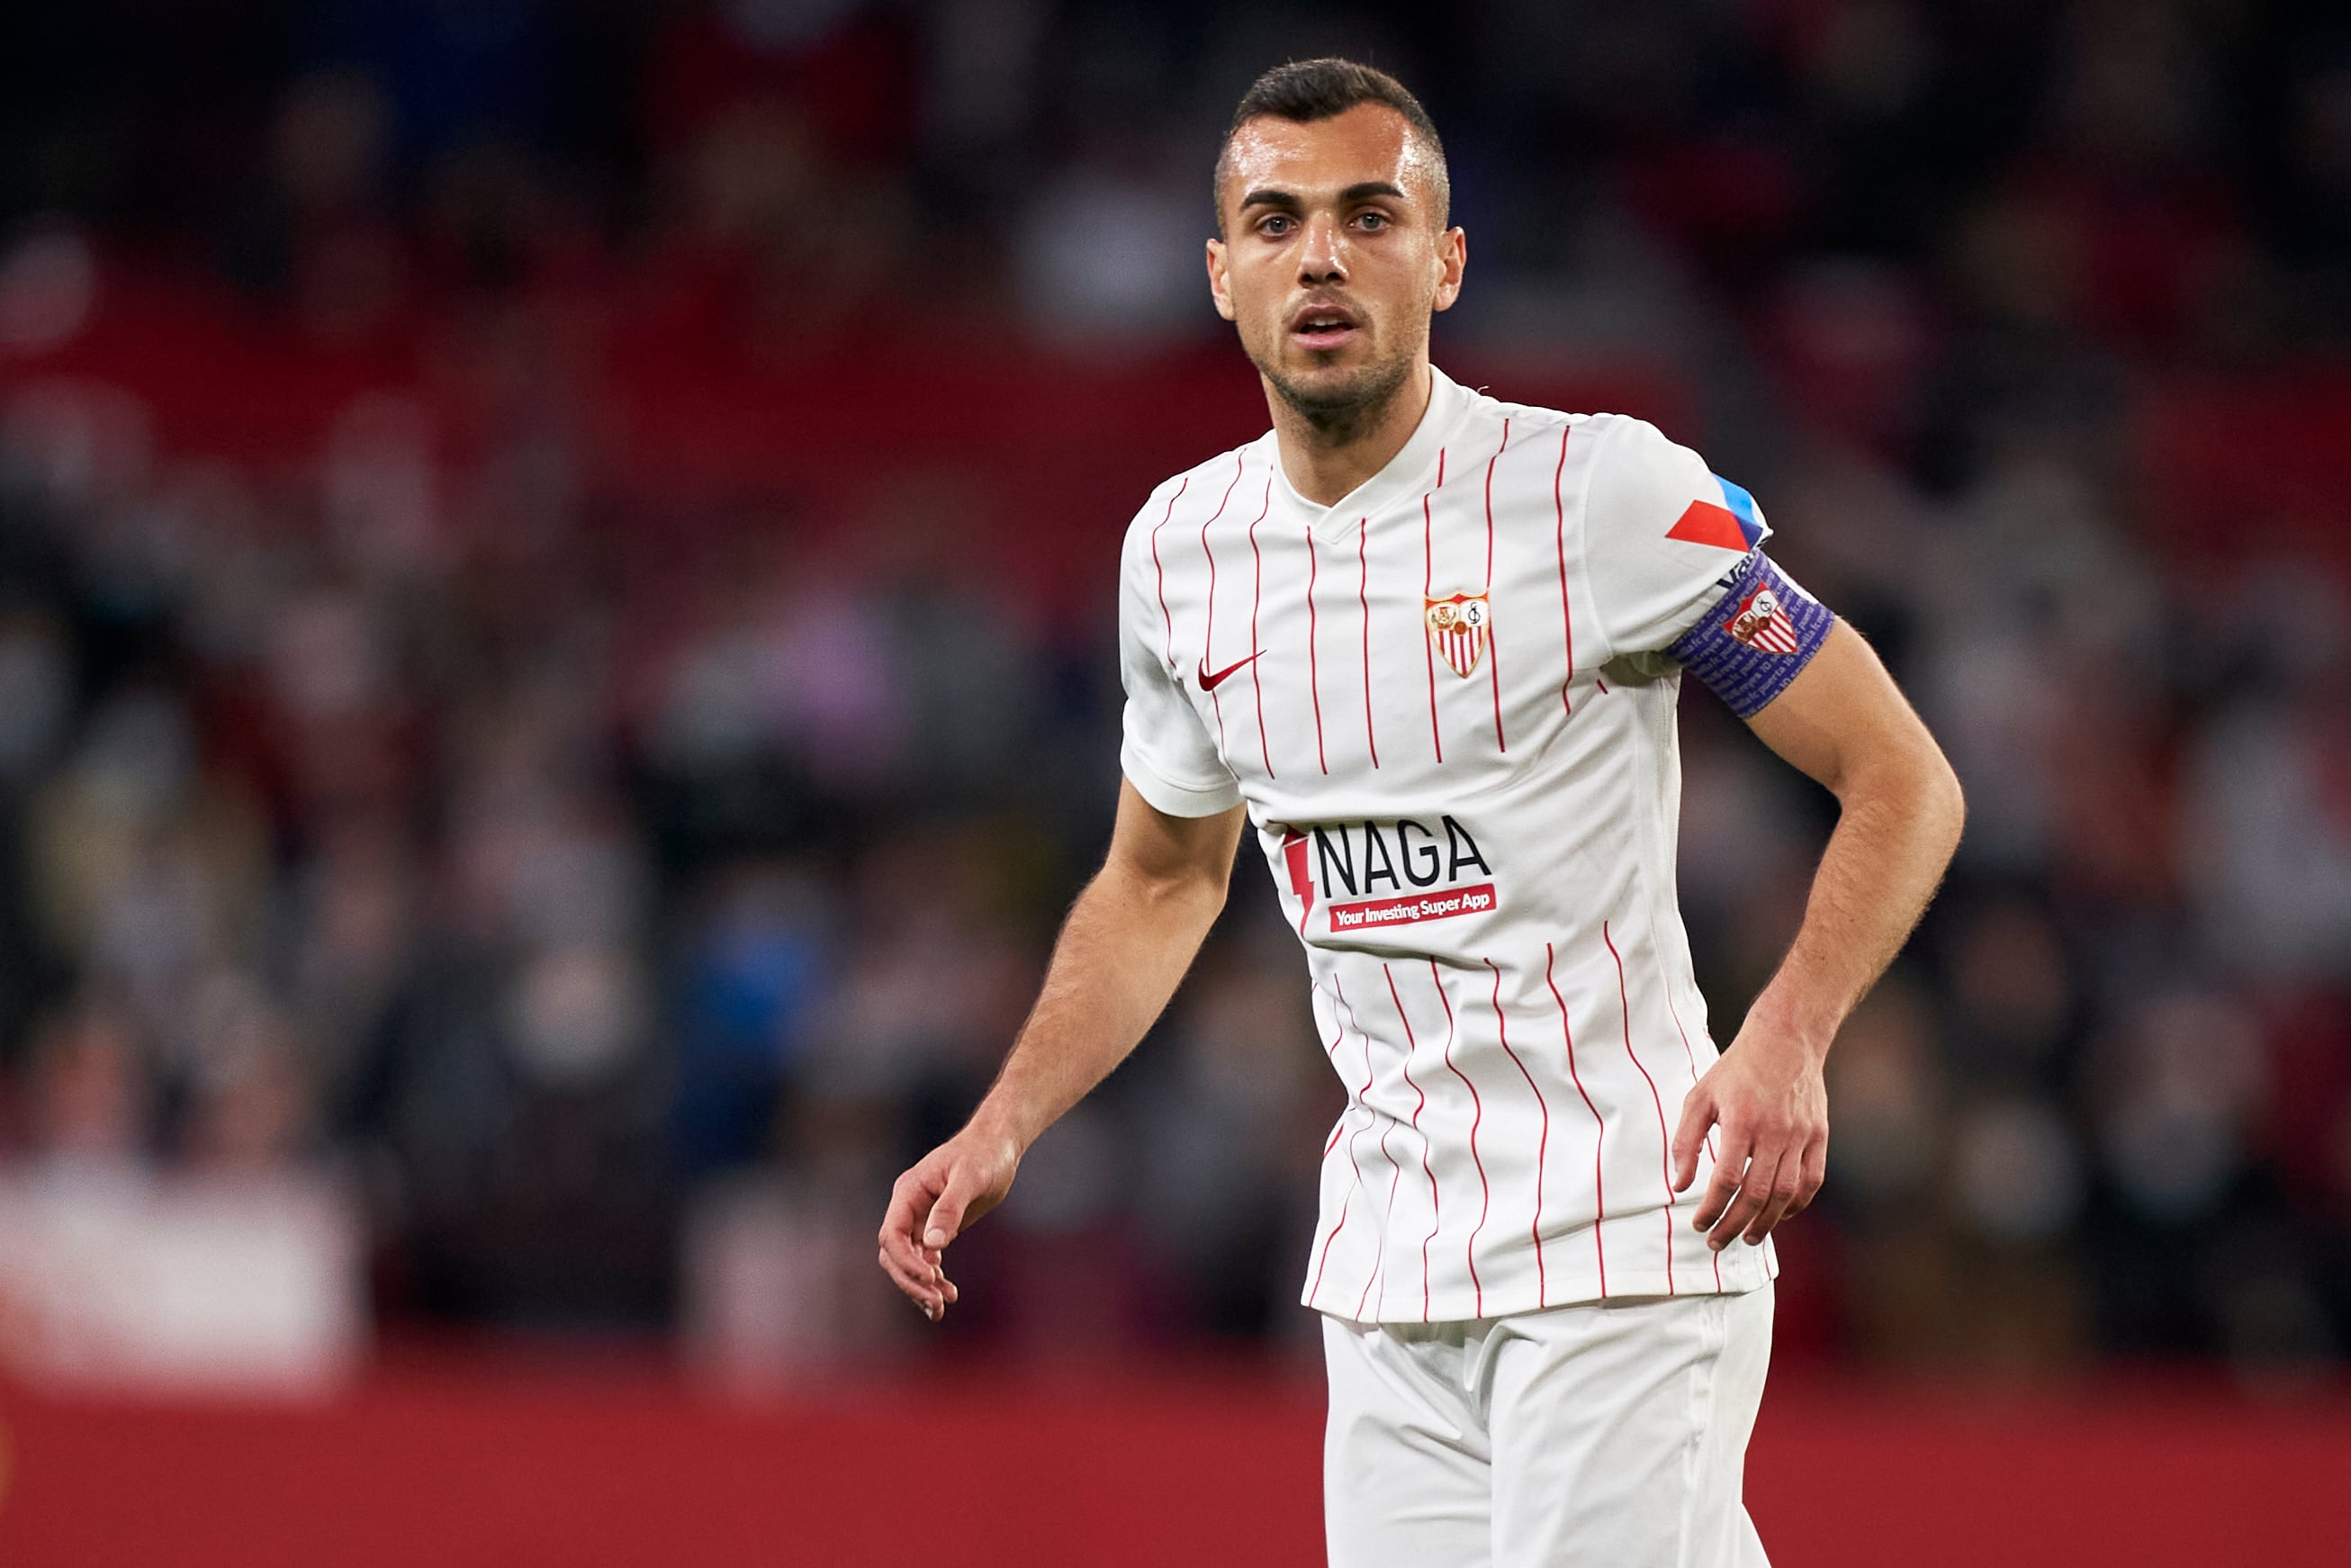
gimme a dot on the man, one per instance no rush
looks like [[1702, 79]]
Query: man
[[1429, 644]]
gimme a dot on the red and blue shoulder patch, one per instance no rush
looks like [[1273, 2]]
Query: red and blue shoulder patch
[[1733, 526]]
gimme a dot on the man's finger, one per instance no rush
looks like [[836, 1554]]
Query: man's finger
[[909, 1196], [913, 1288], [1689, 1137], [1754, 1193], [1815, 1172], [946, 1215], [902, 1255], [907, 1283], [907, 1200], [1785, 1183], [1724, 1184], [900, 1252], [905, 1265]]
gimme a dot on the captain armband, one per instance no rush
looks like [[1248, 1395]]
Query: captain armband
[[1757, 638]]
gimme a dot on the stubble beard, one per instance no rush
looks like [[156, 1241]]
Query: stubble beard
[[1338, 411]]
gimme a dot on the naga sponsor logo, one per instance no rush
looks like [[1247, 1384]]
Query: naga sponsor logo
[[1370, 874]]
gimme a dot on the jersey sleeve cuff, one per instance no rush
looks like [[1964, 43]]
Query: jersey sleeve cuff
[[1172, 798]]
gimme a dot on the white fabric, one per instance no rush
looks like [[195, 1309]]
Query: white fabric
[[1480, 865], [1613, 1435]]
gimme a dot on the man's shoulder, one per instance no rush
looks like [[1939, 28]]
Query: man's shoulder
[[1529, 419], [1591, 441], [1211, 475], [1623, 454]]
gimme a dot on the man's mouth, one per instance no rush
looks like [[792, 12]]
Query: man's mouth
[[1321, 328]]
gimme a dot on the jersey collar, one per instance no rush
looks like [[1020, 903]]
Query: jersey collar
[[1407, 473]]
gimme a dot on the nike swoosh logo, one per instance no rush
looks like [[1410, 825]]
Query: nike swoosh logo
[[1209, 683]]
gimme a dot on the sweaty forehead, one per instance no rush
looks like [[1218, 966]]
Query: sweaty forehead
[[1366, 144]]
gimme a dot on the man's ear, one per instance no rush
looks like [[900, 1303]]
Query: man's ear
[[1218, 289], [1452, 260]]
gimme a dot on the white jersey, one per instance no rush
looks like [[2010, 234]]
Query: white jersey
[[1445, 703]]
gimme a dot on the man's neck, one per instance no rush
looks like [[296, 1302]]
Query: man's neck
[[1325, 467]]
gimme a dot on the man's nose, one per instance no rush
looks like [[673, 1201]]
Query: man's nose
[[1322, 258]]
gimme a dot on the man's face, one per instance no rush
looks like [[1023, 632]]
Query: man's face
[[1332, 259]]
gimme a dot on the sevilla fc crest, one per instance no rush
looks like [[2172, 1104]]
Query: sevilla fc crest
[[1763, 625], [1457, 628]]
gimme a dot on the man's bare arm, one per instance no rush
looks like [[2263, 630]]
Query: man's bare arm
[[1843, 723], [1129, 938]]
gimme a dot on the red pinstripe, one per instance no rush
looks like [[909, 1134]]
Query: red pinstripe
[[1427, 578], [1477, 1116], [1364, 598], [1337, 1039], [1346, 1205], [1493, 646], [1599, 1127], [1436, 1204], [1313, 1291], [1542, 1142], [1665, 1138], [1691, 1057], [1380, 1256], [1688, 1055], [1313, 670], [1567, 614], [1396, 1168], [1208, 630], [1257, 593], [1160, 571]]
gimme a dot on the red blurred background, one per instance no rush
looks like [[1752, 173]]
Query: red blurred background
[[464, 1464]]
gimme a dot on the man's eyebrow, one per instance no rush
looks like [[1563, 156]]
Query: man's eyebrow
[[1267, 196]]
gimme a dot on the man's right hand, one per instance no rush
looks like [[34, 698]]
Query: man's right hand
[[1128, 940], [947, 1189]]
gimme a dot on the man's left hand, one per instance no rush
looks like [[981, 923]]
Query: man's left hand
[[1767, 1095]]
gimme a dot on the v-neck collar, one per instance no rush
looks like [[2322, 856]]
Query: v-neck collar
[[1448, 400]]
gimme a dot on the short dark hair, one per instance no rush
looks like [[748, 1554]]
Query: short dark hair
[[1308, 90]]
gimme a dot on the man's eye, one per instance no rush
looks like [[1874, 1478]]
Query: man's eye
[[1373, 220], [1274, 225]]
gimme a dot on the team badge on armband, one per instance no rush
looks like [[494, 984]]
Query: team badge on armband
[[1757, 638], [1761, 624], [1457, 629]]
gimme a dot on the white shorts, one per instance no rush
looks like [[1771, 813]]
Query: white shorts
[[1612, 1435]]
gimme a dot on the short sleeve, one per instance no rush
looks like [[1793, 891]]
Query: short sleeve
[[1662, 537], [1166, 752]]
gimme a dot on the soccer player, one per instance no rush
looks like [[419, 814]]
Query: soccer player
[[1429, 646]]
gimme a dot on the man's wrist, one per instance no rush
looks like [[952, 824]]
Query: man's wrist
[[1806, 1026], [997, 1121]]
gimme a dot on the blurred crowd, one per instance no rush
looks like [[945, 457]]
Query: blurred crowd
[[610, 891]]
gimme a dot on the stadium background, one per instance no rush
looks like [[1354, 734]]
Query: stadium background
[[554, 597]]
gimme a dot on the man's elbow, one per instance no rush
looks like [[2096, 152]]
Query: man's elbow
[[1171, 892], [1199, 891], [1918, 785], [1948, 802], [1931, 796]]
